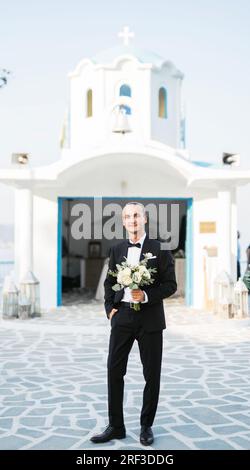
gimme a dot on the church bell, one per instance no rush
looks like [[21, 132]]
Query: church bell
[[121, 124]]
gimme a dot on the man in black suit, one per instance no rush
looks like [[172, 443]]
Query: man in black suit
[[145, 325]]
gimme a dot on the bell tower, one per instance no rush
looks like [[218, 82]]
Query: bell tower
[[124, 90]]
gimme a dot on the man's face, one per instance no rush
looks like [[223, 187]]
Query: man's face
[[133, 219]]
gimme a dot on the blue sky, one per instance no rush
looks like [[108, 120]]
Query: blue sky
[[40, 42]]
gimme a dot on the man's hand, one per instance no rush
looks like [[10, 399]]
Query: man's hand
[[137, 294], [113, 311]]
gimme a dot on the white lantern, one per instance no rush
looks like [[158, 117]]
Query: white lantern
[[10, 299], [30, 289], [24, 308], [240, 299], [223, 295]]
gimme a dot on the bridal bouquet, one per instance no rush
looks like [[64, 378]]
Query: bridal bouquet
[[133, 276]]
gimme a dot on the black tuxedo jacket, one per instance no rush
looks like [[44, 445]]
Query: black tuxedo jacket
[[164, 285]]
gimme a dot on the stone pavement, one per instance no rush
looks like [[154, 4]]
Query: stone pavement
[[53, 382]]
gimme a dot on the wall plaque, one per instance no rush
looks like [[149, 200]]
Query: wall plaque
[[207, 227]]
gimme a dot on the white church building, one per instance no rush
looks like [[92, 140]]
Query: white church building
[[123, 139]]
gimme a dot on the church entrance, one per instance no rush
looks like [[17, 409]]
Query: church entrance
[[88, 227]]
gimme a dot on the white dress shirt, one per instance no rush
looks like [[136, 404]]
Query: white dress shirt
[[133, 258]]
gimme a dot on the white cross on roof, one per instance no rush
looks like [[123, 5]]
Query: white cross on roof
[[126, 35]]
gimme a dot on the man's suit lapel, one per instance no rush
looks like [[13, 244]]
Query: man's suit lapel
[[145, 247], [123, 252]]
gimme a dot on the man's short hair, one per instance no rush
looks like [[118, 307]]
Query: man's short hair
[[134, 203]]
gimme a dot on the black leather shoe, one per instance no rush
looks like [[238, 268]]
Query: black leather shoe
[[146, 436], [110, 433]]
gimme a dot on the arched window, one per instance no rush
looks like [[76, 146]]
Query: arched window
[[162, 103], [125, 90], [89, 111]]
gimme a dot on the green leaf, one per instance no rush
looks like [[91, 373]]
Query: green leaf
[[116, 287], [133, 286]]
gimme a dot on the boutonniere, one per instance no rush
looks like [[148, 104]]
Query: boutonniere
[[149, 255]]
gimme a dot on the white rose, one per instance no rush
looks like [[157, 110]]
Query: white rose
[[126, 280], [126, 271], [124, 276], [142, 269], [147, 275], [119, 277], [137, 277]]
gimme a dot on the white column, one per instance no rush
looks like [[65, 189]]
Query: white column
[[23, 232], [224, 231], [234, 226]]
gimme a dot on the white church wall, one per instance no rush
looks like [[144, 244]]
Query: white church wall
[[234, 227], [208, 209], [45, 249], [86, 131], [227, 230], [201, 206], [23, 233], [166, 130]]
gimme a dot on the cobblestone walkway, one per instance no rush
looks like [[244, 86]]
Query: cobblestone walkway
[[53, 382]]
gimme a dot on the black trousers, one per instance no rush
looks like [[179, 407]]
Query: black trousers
[[121, 341]]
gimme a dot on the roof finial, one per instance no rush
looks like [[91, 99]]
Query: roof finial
[[125, 34]]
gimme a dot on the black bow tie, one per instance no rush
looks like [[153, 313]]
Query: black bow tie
[[138, 245]]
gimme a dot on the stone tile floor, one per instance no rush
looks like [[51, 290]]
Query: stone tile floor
[[53, 382]]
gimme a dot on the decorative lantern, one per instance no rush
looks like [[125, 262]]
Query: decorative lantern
[[24, 308], [10, 299], [29, 289], [240, 299], [223, 295]]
